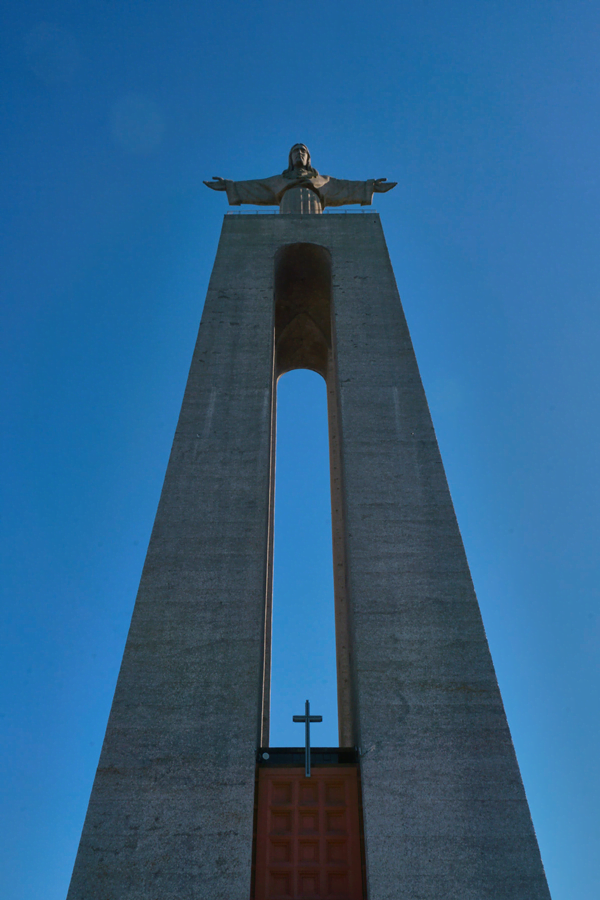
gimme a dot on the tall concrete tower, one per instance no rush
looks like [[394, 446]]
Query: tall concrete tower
[[423, 799]]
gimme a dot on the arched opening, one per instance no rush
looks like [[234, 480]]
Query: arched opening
[[309, 567], [303, 649]]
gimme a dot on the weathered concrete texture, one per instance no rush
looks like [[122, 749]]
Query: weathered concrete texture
[[445, 813], [171, 810]]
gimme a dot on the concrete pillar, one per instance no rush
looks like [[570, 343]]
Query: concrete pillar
[[171, 810], [445, 814]]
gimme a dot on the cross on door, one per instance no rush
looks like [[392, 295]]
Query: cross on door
[[307, 719]]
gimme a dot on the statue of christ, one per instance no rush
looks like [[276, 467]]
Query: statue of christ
[[300, 188]]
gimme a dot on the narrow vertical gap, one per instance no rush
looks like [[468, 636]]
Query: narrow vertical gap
[[346, 712], [303, 646], [265, 701]]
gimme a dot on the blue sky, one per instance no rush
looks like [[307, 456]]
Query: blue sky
[[486, 113]]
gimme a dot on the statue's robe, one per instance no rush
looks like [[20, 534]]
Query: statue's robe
[[307, 193]]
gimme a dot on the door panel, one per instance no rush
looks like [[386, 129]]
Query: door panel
[[308, 840]]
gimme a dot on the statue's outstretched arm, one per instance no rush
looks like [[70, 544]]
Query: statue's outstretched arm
[[258, 191], [339, 192]]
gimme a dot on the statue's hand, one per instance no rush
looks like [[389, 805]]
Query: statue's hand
[[217, 184], [381, 185]]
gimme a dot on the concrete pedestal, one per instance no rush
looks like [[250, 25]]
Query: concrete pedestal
[[171, 812]]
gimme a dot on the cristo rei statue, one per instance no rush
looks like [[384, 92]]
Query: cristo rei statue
[[300, 188]]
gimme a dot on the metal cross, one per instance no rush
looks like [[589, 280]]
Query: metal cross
[[307, 719]]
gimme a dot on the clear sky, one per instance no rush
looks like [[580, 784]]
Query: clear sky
[[487, 114]]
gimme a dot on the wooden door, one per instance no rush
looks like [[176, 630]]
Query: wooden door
[[307, 839]]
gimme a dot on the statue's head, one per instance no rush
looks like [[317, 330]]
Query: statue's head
[[299, 160], [299, 157]]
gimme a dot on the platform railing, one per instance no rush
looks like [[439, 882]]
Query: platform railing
[[276, 212]]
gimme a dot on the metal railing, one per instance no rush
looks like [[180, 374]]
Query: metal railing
[[330, 211]]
